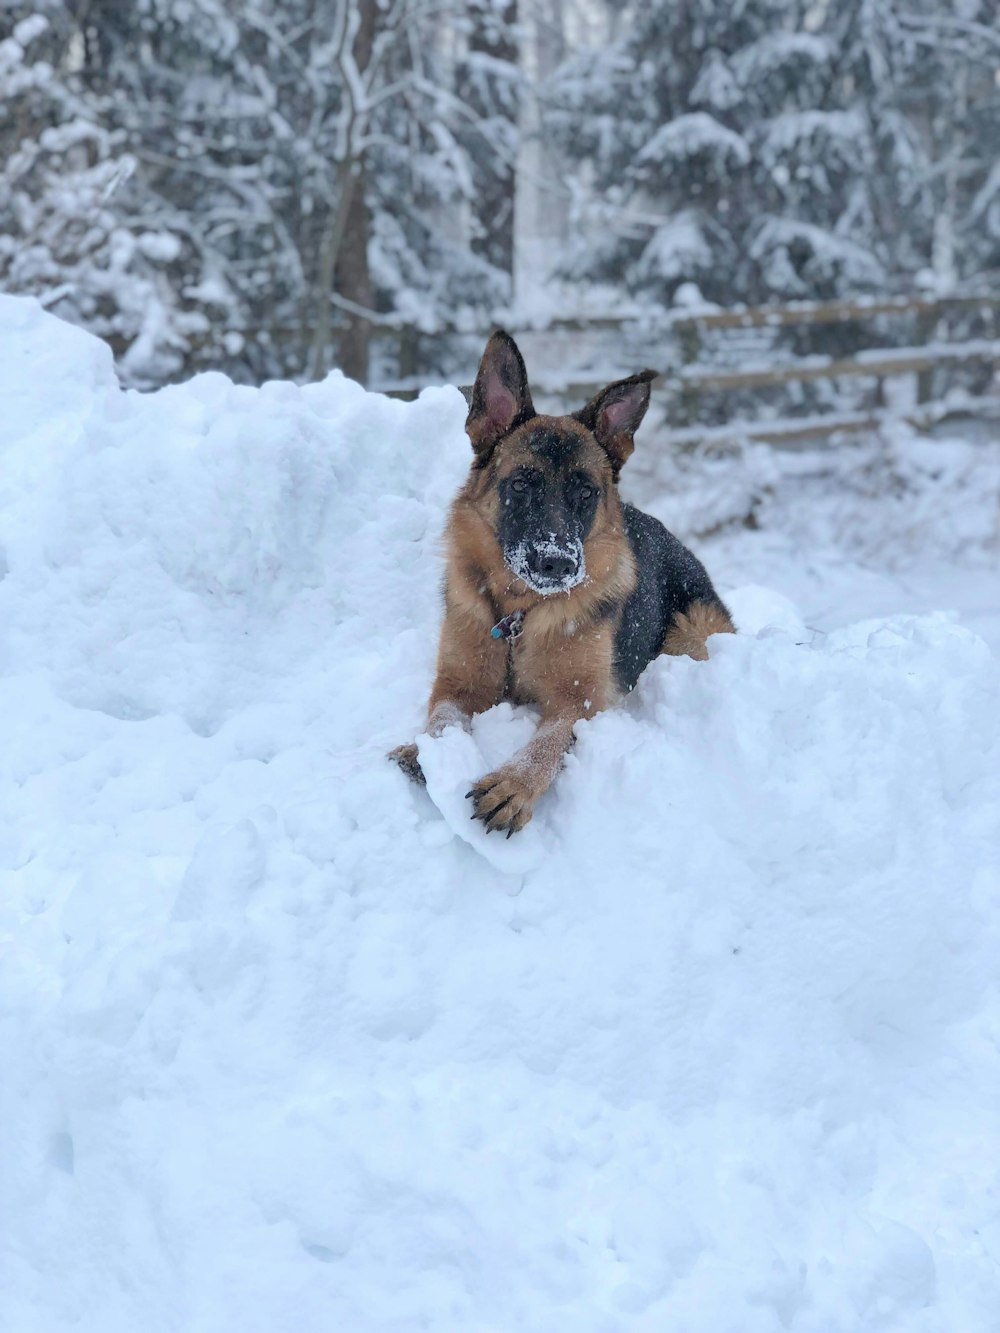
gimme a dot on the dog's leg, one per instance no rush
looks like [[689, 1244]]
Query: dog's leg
[[571, 678], [471, 675], [687, 636], [505, 799]]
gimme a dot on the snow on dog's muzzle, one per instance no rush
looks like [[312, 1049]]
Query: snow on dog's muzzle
[[548, 566]]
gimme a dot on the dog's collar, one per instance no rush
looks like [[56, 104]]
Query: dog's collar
[[508, 627]]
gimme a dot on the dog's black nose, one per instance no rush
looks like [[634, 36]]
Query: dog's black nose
[[553, 565]]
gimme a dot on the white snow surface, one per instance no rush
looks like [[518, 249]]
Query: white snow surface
[[718, 1051]]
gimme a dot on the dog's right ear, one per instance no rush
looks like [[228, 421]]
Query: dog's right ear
[[501, 398]]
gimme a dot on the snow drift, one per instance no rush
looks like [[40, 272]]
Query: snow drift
[[281, 1051]]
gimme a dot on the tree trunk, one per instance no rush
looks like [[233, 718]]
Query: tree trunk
[[346, 227], [330, 245], [353, 282]]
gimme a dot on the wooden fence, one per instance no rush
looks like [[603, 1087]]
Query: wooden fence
[[694, 377]]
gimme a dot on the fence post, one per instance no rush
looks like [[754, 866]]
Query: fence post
[[927, 323], [689, 345], [409, 352]]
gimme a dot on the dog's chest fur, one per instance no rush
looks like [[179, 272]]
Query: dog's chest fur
[[597, 639]]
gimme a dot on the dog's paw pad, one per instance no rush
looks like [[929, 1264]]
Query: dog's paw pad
[[503, 800]]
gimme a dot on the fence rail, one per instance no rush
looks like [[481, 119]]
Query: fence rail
[[794, 432], [828, 312], [880, 364], [845, 311], [693, 378]]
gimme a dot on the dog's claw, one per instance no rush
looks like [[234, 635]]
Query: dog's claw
[[495, 811], [510, 804]]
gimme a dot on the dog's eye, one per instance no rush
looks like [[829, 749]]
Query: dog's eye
[[519, 484], [587, 493]]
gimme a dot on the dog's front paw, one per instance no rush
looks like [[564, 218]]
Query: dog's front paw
[[406, 757], [503, 800]]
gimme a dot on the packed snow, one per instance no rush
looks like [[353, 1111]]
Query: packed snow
[[287, 1047]]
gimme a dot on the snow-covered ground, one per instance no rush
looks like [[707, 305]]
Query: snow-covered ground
[[717, 1052], [866, 527]]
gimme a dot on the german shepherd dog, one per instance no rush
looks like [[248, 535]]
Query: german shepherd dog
[[557, 593]]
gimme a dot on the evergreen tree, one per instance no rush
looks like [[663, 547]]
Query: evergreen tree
[[487, 84], [75, 225], [779, 149], [244, 177]]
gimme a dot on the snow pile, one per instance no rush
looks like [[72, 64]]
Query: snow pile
[[887, 498], [281, 1051]]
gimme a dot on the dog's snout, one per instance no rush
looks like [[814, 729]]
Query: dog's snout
[[554, 565]]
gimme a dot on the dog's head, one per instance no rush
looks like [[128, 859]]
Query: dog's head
[[551, 478]]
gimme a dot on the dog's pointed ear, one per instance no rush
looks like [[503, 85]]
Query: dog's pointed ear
[[613, 416], [501, 398]]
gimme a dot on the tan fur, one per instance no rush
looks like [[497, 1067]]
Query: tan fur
[[471, 667], [476, 571], [687, 635], [563, 659], [505, 799]]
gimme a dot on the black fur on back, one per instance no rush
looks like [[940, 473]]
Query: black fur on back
[[670, 578]]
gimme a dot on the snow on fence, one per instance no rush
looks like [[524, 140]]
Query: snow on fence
[[693, 378]]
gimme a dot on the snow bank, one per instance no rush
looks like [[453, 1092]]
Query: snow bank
[[889, 499], [281, 1051]]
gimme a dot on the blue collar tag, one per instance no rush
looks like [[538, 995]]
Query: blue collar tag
[[509, 627]]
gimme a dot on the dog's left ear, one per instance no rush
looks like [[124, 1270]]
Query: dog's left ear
[[501, 398], [614, 415]]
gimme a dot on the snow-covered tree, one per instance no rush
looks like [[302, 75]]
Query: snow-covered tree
[[488, 79], [783, 148], [429, 156], [947, 91], [73, 225], [267, 181]]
